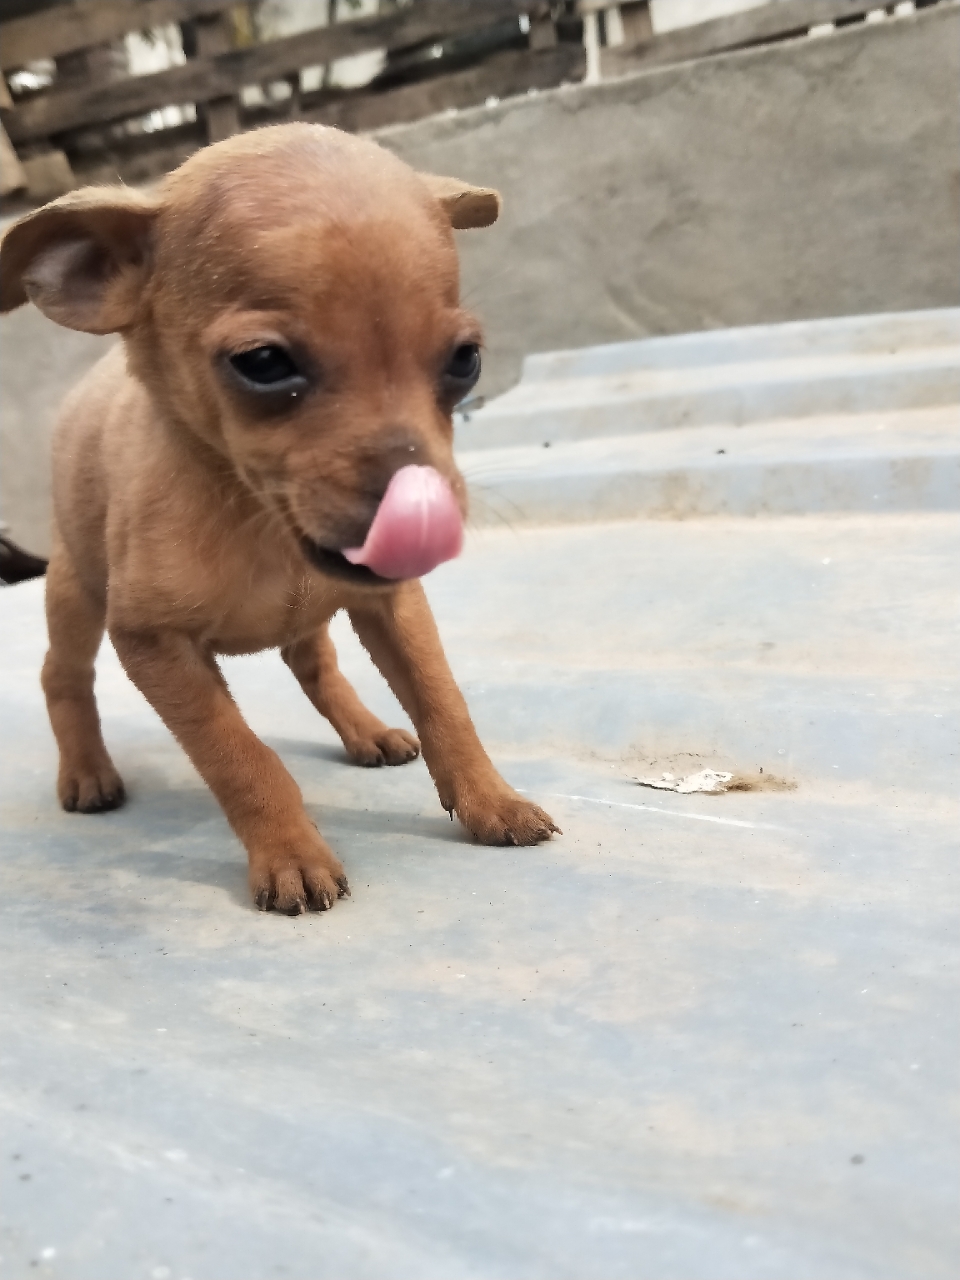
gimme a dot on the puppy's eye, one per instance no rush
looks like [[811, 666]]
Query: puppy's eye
[[463, 368], [265, 366]]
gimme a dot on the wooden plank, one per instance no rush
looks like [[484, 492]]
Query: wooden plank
[[48, 175], [70, 27], [139, 157], [12, 176], [204, 79], [510, 73], [637, 23], [776, 21], [542, 34], [221, 116], [146, 157]]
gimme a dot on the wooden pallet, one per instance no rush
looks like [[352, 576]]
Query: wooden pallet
[[85, 113]]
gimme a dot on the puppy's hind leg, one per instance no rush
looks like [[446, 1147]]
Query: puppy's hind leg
[[87, 782], [368, 740]]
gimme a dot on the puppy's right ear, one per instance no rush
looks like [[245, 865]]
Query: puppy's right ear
[[83, 259]]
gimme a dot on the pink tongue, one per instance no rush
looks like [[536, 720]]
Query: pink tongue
[[417, 526]]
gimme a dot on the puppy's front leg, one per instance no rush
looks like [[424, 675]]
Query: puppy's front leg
[[313, 660], [400, 635], [291, 867]]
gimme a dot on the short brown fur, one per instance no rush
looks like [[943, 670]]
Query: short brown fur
[[183, 505]]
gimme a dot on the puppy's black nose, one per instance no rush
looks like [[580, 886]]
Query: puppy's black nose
[[396, 447]]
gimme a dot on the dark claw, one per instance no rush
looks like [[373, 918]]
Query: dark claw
[[102, 804], [262, 900], [343, 887]]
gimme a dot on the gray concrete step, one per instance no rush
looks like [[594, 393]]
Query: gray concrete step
[[740, 377], [886, 333], [906, 460]]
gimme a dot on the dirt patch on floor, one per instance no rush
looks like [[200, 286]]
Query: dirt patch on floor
[[760, 782]]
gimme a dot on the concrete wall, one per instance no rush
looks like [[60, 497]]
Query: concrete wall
[[39, 362], [815, 178]]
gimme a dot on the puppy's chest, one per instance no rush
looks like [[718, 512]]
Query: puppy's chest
[[237, 592], [236, 598], [271, 611]]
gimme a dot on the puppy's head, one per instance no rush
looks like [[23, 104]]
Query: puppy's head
[[292, 297]]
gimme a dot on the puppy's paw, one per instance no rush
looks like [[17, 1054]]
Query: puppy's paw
[[90, 788], [506, 818], [387, 746], [296, 876]]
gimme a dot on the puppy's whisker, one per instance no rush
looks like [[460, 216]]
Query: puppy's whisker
[[478, 471], [491, 509], [477, 492]]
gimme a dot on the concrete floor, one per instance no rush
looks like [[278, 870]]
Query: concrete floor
[[694, 1037]]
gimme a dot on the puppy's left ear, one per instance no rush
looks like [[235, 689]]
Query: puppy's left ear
[[464, 205], [83, 259]]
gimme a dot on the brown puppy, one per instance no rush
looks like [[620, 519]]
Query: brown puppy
[[292, 338]]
